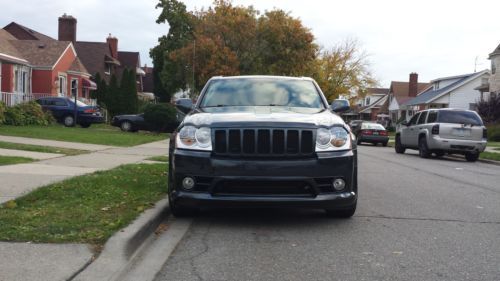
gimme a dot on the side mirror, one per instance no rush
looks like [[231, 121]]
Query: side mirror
[[404, 123], [340, 105], [184, 105]]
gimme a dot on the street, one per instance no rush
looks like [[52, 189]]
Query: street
[[417, 219]]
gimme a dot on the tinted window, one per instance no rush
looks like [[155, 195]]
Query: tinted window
[[262, 92], [423, 115], [432, 117], [59, 103], [459, 117], [414, 119]]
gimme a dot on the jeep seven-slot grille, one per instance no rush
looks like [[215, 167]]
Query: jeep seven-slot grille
[[261, 142]]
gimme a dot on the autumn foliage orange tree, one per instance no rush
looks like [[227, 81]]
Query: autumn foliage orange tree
[[235, 40]]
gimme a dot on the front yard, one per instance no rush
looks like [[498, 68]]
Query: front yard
[[86, 209], [10, 160], [96, 134]]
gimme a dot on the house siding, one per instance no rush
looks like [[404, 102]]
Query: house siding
[[465, 95], [7, 78], [42, 82]]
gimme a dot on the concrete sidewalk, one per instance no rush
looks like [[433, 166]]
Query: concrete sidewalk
[[25, 261], [53, 143], [29, 154]]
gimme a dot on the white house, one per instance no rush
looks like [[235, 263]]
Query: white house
[[450, 92]]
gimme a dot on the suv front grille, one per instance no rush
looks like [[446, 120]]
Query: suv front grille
[[264, 142]]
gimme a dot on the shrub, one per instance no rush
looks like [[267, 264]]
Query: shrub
[[29, 113], [493, 132], [2, 113], [489, 109], [161, 117]]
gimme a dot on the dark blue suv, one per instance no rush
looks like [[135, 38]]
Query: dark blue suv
[[63, 110]]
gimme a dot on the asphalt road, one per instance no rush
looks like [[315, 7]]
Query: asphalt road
[[417, 219]]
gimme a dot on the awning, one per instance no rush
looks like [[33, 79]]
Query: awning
[[89, 84]]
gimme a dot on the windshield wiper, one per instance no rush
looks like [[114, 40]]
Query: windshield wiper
[[219, 105]]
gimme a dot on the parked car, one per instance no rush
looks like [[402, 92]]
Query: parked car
[[63, 110], [263, 141], [355, 123], [130, 122], [372, 133], [441, 131]]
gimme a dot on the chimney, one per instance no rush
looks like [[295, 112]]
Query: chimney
[[113, 46], [413, 85], [67, 28]]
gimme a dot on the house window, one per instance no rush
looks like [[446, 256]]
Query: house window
[[16, 80], [493, 67], [473, 106], [367, 100], [74, 87], [62, 86], [24, 82]]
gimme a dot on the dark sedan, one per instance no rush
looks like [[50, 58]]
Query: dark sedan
[[63, 110], [130, 123], [372, 133]]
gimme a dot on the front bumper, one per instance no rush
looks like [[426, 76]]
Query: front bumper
[[90, 118], [456, 145], [373, 139], [270, 182]]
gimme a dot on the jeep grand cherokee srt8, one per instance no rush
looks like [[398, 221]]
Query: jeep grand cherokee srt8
[[263, 141]]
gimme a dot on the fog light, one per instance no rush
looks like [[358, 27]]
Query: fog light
[[338, 184], [188, 183]]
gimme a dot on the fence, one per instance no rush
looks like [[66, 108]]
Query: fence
[[12, 99]]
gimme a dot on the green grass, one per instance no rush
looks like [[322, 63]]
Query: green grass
[[99, 134], [10, 160], [39, 148], [159, 158], [490, 156], [493, 143], [86, 209]]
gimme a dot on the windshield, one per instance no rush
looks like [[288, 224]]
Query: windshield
[[459, 117], [372, 126], [78, 103], [262, 92]]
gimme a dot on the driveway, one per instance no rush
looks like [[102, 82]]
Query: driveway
[[418, 219]]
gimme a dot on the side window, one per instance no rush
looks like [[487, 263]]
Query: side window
[[423, 115], [432, 117], [414, 119], [60, 103]]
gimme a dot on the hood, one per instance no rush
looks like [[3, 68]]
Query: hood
[[262, 114]]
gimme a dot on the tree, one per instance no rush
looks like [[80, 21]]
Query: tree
[[169, 76], [489, 110], [128, 92], [285, 46], [100, 93], [114, 100], [343, 70]]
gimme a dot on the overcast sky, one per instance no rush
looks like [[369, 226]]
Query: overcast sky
[[435, 38]]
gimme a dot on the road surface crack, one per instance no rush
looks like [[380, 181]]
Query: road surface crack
[[427, 219], [201, 253]]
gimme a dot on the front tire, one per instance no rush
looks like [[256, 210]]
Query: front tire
[[423, 149], [471, 157], [69, 121], [400, 149], [126, 126]]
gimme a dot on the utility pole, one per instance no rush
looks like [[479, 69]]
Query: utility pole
[[194, 57]]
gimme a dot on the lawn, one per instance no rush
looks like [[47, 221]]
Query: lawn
[[96, 134], [159, 158], [490, 156], [39, 148], [86, 209], [10, 160], [494, 143]]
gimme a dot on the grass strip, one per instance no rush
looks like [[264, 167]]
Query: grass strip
[[10, 160], [490, 156], [159, 158], [39, 148], [85, 209], [99, 134]]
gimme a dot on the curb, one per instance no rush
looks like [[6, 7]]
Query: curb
[[492, 162], [121, 249]]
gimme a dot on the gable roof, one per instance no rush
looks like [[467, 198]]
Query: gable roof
[[78, 67], [495, 52], [129, 60], [401, 90], [377, 91], [24, 33], [7, 51], [41, 54], [95, 55], [430, 95], [377, 104]]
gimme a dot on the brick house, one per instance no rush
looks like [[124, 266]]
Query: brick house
[[369, 106], [44, 67]]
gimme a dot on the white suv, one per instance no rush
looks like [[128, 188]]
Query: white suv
[[441, 131]]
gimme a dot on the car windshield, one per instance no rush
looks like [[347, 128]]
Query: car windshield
[[262, 92], [78, 103], [459, 117], [372, 126]]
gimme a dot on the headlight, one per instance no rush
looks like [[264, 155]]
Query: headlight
[[335, 138], [190, 137]]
